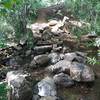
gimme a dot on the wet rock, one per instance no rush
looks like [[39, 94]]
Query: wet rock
[[42, 49], [46, 87], [42, 60], [21, 85], [54, 58], [61, 66], [63, 80]]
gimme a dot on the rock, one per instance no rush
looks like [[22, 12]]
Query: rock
[[37, 27], [3, 72], [47, 87], [54, 58], [57, 49], [28, 53], [88, 74], [78, 56], [50, 98], [13, 63], [63, 80], [56, 31], [23, 41], [66, 49], [61, 66], [76, 71], [52, 22], [42, 60], [36, 97], [33, 64], [80, 72], [42, 49], [21, 85]]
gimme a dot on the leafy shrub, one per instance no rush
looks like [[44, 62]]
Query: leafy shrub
[[3, 91]]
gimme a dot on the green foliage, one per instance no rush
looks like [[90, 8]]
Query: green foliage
[[92, 61], [86, 10], [3, 91], [2, 43], [18, 13]]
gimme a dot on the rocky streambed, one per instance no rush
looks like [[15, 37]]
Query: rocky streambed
[[52, 69]]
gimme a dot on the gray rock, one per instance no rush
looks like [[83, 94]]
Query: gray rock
[[33, 64], [49, 98], [88, 74], [47, 87], [21, 85], [42, 49], [80, 72], [57, 49], [63, 80], [42, 60], [76, 71], [54, 58], [78, 56], [28, 52], [61, 66], [36, 97], [3, 72]]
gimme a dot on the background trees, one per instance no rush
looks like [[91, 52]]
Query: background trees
[[16, 14]]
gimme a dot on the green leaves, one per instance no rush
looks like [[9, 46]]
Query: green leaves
[[3, 91], [97, 8], [8, 3], [91, 60]]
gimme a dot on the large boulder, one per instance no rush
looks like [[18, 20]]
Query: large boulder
[[20, 84], [80, 72], [77, 71], [46, 87], [63, 80], [42, 60], [75, 56], [61, 66]]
